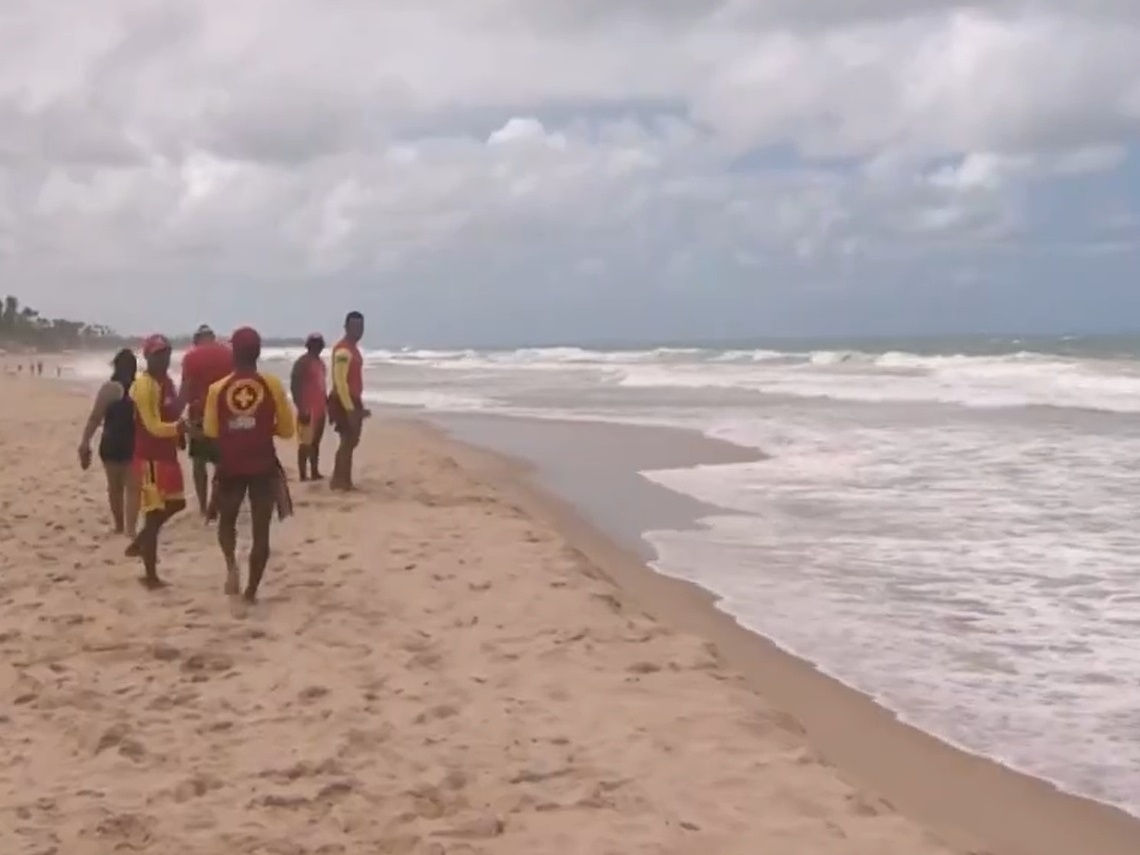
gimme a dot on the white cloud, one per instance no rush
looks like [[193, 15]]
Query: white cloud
[[217, 150]]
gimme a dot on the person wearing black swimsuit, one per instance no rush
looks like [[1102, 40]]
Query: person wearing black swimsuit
[[115, 412]]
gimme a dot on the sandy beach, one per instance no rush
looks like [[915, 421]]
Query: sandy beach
[[444, 663]]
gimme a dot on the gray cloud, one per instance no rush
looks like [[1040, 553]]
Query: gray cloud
[[451, 167]]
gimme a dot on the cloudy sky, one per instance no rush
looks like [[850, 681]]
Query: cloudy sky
[[483, 171]]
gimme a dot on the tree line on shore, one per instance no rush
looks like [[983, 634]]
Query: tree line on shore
[[24, 328]]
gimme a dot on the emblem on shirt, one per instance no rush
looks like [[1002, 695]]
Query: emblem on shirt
[[242, 399]]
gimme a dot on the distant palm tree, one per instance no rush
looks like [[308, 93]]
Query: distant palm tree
[[11, 311]]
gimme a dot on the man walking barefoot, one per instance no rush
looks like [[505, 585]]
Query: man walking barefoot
[[205, 363], [242, 415], [159, 434]]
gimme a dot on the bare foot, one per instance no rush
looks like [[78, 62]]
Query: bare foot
[[233, 582], [134, 548], [152, 583], [249, 596]]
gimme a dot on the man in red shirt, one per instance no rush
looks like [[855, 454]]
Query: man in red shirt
[[346, 407], [243, 413], [159, 433], [204, 364]]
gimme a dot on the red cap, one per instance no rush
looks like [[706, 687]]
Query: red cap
[[156, 343], [245, 338]]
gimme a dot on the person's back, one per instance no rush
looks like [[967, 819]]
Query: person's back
[[203, 365], [247, 405], [117, 441], [244, 412]]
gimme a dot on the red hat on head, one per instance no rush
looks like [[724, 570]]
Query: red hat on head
[[156, 343], [245, 338]]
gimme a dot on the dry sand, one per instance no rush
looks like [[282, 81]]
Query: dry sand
[[434, 669]]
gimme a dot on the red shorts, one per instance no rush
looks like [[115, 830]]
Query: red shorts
[[160, 483]]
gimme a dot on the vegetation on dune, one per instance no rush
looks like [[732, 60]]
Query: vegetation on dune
[[22, 327]]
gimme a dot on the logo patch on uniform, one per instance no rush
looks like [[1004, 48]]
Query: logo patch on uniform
[[242, 399]]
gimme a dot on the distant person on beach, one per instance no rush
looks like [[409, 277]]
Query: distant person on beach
[[345, 404], [243, 413], [159, 435], [205, 363], [114, 411], [309, 387]]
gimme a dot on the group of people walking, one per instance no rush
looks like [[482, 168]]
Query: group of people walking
[[226, 414]]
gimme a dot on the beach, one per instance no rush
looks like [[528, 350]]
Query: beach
[[451, 661]]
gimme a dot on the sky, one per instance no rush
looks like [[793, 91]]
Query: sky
[[488, 172]]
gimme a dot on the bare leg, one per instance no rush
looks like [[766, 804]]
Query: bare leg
[[349, 452], [131, 498], [342, 464], [201, 484], [145, 544], [303, 457], [336, 482], [228, 499], [116, 485], [262, 502], [315, 448]]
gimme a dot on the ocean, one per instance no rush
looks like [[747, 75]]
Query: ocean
[[948, 525]]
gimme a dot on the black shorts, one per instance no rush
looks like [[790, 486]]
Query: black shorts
[[202, 448], [268, 490], [259, 485]]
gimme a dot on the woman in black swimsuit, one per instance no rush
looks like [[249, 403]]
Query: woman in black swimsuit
[[115, 412]]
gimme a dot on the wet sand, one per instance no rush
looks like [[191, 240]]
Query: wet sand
[[965, 797], [449, 662]]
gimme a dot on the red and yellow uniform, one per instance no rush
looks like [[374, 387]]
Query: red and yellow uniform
[[348, 384], [157, 436], [202, 366], [243, 414], [314, 399]]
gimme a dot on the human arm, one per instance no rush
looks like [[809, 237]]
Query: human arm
[[187, 387], [210, 423], [341, 361], [185, 390], [286, 427], [108, 393], [147, 396], [297, 383]]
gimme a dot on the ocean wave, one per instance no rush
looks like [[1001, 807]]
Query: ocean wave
[[1015, 380], [1021, 378]]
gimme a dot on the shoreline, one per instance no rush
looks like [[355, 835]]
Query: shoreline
[[630, 504], [964, 797], [432, 668]]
